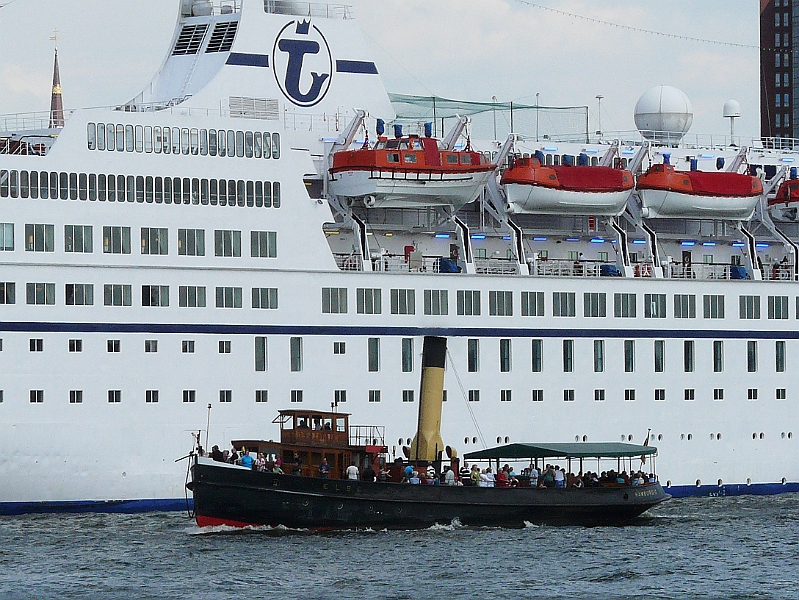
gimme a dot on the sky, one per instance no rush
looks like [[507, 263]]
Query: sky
[[461, 49]]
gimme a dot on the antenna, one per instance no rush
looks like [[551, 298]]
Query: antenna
[[207, 426]]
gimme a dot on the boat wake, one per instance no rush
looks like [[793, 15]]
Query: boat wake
[[216, 529], [455, 524]]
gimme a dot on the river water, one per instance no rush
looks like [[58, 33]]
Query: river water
[[745, 547]]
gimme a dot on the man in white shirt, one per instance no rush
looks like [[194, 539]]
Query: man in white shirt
[[560, 478], [352, 473], [533, 476]]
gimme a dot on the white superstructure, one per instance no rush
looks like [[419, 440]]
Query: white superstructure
[[178, 252]]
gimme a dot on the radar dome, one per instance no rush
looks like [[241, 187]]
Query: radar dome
[[732, 109], [664, 114]]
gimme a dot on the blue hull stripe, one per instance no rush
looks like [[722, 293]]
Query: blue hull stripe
[[356, 66], [179, 504], [335, 330], [248, 60]]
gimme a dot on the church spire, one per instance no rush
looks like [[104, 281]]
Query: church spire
[[56, 101]]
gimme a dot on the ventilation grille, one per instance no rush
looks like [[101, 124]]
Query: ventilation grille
[[223, 36], [190, 39], [254, 108]]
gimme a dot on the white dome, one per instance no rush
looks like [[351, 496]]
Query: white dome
[[664, 114], [732, 108]]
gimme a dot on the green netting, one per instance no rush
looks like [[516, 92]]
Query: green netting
[[493, 120]]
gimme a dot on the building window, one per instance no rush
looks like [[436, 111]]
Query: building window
[[629, 395], [568, 395], [39, 238], [373, 352], [660, 395], [778, 307], [374, 395], [713, 306], [116, 240], [779, 355], [689, 394], [339, 347], [189, 396], [295, 353], [113, 346], [629, 356], [369, 301], [594, 304], [751, 394], [718, 356], [688, 353], [532, 304], [76, 345], [191, 296], [228, 297], [749, 307], [79, 294], [150, 346], [568, 356], [263, 244], [599, 356], [660, 356], [599, 395], [403, 302], [538, 355], [504, 355], [780, 394], [474, 395], [473, 355], [155, 295], [225, 346], [563, 304], [718, 394], [296, 396], [500, 304], [191, 242], [334, 300], [78, 238], [37, 345], [40, 293], [407, 395], [469, 302], [225, 396], [751, 356], [6, 237], [151, 397], [261, 396], [37, 396], [624, 306], [76, 396], [684, 306], [407, 355], [436, 302], [227, 242], [505, 395], [187, 346], [538, 395], [339, 397], [260, 354], [114, 396], [155, 240], [116, 295], [655, 306], [8, 293]]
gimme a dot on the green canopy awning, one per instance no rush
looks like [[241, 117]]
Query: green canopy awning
[[579, 450]]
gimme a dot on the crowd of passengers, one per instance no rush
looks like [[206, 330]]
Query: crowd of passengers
[[550, 476]]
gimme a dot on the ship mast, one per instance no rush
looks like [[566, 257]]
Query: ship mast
[[56, 101]]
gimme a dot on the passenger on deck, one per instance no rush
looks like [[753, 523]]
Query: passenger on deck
[[369, 474], [303, 424], [502, 479], [449, 476], [246, 460], [297, 468], [233, 458], [352, 473], [464, 474], [216, 454], [475, 476], [547, 480], [277, 469], [489, 478], [383, 475], [407, 473], [414, 478], [317, 424], [560, 478], [533, 476], [324, 469], [260, 463]]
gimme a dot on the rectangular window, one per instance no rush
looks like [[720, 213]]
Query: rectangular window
[[568, 395], [227, 243], [225, 396], [334, 300], [114, 396], [474, 395], [688, 354], [624, 306], [436, 302], [261, 396], [191, 242], [369, 301], [779, 355], [373, 352], [155, 240], [113, 346], [684, 306], [339, 396], [78, 238], [39, 238], [629, 356], [660, 356], [532, 304], [660, 395], [629, 395], [505, 395], [76, 396], [689, 394], [151, 396], [751, 356], [155, 295], [295, 351], [713, 306], [500, 304], [150, 346], [594, 304], [191, 296], [563, 304], [187, 346], [504, 355], [296, 396], [538, 395], [228, 297], [599, 356], [538, 355], [6, 237], [599, 395], [339, 347], [403, 302], [263, 244], [778, 307], [749, 307], [189, 396], [8, 292], [469, 302], [260, 354], [79, 294], [568, 356], [37, 345], [655, 306], [76, 345], [37, 396], [225, 346], [116, 240], [407, 395], [374, 395], [40, 293], [780, 394], [407, 355], [116, 295], [264, 298], [473, 352], [718, 356], [718, 394], [751, 394]]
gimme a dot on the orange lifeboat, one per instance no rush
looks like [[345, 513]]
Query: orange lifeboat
[[564, 189], [783, 207]]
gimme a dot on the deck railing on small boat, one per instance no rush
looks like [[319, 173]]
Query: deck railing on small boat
[[367, 435]]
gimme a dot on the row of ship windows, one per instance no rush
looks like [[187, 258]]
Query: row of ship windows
[[501, 304], [40, 237], [140, 188], [175, 140]]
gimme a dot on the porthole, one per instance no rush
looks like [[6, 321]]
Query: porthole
[[668, 483], [622, 438], [698, 482], [507, 439], [499, 440], [629, 438], [585, 438], [682, 436], [576, 438], [660, 437], [720, 482], [762, 435], [754, 436], [784, 481], [399, 442], [712, 436], [748, 481], [718, 436], [690, 436], [409, 441], [790, 435], [782, 435], [465, 440], [474, 440]]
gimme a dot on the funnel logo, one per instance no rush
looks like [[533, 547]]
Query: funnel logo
[[302, 63]]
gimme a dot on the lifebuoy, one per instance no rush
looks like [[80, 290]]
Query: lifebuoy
[[643, 270]]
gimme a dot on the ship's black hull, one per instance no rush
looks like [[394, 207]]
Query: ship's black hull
[[240, 497]]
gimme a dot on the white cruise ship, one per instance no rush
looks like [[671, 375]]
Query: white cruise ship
[[304, 264]]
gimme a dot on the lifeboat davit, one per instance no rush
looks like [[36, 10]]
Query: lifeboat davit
[[666, 192], [564, 189], [785, 205], [409, 172]]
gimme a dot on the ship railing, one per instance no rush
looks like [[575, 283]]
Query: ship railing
[[390, 263], [558, 267], [348, 262], [700, 271], [27, 145], [778, 272], [30, 121], [496, 266], [319, 10], [367, 435], [328, 123]]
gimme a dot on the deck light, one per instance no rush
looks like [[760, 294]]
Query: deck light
[[550, 148], [572, 239], [442, 236], [597, 241], [738, 245], [639, 242], [478, 236], [689, 243], [506, 237], [539, 239], [709, 244], [761, 245], [787, 159]]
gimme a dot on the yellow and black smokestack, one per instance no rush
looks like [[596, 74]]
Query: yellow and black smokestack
[[427, 445]]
